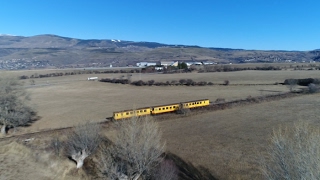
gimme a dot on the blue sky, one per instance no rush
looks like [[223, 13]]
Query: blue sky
[[246, 24]]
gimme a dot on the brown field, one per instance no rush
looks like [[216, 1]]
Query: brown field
[[225, 142], [228, 142]]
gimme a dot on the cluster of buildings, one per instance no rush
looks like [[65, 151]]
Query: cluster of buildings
[[16, 64], [172, 63]]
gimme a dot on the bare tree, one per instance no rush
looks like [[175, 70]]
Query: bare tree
[[137, 149], [82, 142], [14, 109], [293, 154]]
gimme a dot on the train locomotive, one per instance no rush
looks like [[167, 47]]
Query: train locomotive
[[154, 110]]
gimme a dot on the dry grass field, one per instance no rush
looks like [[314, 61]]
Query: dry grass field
[[226, 142], [69, 100]]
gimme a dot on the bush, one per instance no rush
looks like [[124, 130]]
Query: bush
[[139, 83], [174, 82], [24, 77], [151, 82], [202, 83], [293, 154], [182, 81], [313, 88], [226, 82], [302, 82], [189, 82]]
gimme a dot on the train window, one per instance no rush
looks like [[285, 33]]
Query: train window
[[127, 113], [170, 107], [166, 107], [131, 112], [145, 111], [192, 103], [186, 104], [163, 108]]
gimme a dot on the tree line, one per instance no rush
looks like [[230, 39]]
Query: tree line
[[181, 82]]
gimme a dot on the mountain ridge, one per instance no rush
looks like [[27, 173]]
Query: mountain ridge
[[62, 51]]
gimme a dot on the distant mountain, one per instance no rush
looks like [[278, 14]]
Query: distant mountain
[[53, 50]]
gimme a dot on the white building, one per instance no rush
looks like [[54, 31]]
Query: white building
[[166, 63], [145, 64]]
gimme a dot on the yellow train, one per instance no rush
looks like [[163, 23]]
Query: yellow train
[[160, 109]]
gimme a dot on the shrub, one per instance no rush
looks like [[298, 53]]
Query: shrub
[[226, 82], [182, 81], [151, 82], [189, 82], [202, 83], [174, 82], [24, 77], [313, 88], [293, 153]]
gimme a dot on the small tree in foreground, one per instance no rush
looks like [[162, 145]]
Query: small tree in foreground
[[136, 151], [14, 110], [293, 154], [82, 142]]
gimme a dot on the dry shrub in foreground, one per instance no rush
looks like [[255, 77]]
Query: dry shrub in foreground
[[136, 151], [293, 154], [14, 109], [82, 142]]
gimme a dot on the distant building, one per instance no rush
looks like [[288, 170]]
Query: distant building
[[209, 63], [175, 64], [145, 64], [166, 63]]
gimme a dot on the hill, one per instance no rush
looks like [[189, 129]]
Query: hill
[[18, 52]]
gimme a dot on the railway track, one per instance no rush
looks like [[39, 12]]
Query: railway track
[[36, 133], [212, 107]]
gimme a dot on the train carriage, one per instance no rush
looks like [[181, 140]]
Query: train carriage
[[131, 113], [195, 104], [164, 108]]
